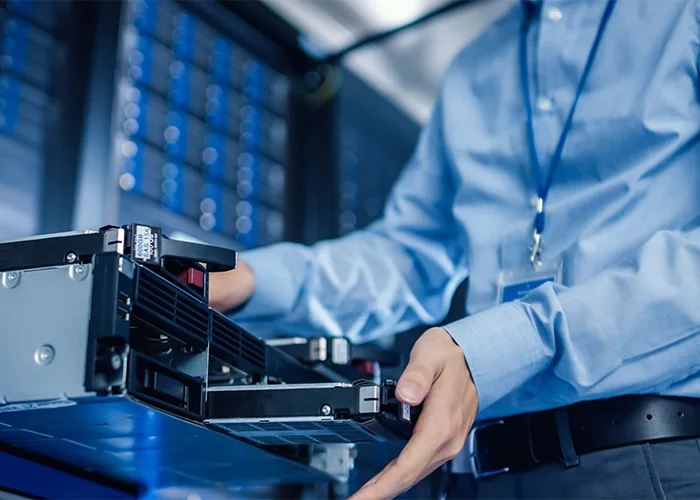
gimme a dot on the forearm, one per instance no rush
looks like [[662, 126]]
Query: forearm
[[631, 329], [229, 290], [362, 286]]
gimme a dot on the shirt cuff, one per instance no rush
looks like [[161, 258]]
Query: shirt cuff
[[275, 292], [503, 350]]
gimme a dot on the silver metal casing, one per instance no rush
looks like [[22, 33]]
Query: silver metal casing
[[44, 318]]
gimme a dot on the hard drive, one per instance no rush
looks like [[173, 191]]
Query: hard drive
[[113, 363], [286, 414]]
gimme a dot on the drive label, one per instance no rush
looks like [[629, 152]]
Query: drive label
[[145, 247], [405, 412]]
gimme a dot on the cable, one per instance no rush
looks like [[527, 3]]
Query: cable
[[379, 37], [323, 82]]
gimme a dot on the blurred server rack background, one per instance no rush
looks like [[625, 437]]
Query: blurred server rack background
[[202, 134], [173, 117], [35, 96], [374, 141]]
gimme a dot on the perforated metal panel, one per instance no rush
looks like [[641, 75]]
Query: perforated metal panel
[[166, 306], [302, 432], [231, 344]]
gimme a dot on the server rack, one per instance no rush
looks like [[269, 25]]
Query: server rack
[[375, 139], [200, 137], [33, 48], [201, 129]]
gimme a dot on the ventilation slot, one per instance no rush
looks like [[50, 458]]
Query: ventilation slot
[[285, 433], [170, 310], [232, 345]]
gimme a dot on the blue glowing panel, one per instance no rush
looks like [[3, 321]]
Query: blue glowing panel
[[29, 52], [31, 56], [123, 443], [204, 128], [44, 15], [23, 111]]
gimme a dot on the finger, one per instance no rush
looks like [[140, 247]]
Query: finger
[[446, 430], [366, 493], [426, 451], [380, 474], [432, 467], [423, 369], [439, 433], [411, 464], [395, 480]]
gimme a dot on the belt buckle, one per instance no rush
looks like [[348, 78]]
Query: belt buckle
[[472, 454]]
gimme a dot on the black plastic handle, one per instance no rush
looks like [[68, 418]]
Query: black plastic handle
[[217, 259], [149, 246]]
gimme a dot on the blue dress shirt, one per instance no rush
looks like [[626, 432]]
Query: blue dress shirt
[[623, 217]]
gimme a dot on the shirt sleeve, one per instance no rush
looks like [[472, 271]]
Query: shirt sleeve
[[399, 272], [632, 329]]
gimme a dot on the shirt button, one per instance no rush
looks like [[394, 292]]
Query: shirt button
[[554, 14], [544, 104]]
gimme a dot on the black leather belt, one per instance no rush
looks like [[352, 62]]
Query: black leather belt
[[525, 441]]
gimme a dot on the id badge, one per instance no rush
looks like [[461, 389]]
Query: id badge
[[515, 284], [518, 276]]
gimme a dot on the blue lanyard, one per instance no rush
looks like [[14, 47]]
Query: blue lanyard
[[544, 187]]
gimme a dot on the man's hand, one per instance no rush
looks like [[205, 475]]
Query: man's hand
[[437, 375], [231, 289]]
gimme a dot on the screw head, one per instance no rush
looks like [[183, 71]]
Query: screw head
[[116, 361], [326, 410], [44, 355], [10, 279], [78, 272], [71, 257]]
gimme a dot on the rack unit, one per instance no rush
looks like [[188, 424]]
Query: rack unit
[[201, 125], [375, 139], [32, 52]]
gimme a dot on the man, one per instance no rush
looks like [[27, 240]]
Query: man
[[574, 212]]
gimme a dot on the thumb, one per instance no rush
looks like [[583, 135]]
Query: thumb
[[423, 369]]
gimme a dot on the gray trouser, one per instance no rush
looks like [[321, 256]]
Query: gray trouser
[[665, 470]]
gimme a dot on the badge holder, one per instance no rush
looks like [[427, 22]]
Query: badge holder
[[516, 283]]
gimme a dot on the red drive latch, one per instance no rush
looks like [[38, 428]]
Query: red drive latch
[[365, 367], [192, 277]]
